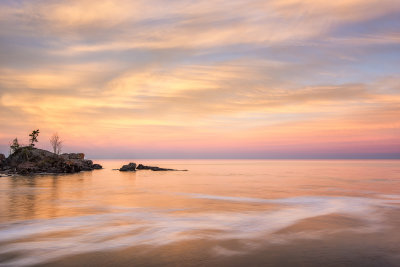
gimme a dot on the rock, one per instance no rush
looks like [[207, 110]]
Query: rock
[[154, 168], [86, 165], [130, 167], [161, 169], [2, 159], [142, 167], [27, 168], [97, 166]]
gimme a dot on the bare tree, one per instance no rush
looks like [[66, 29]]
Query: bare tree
[[14, 145], [56, 143]]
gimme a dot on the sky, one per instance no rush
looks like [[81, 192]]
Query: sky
[[203, 79]]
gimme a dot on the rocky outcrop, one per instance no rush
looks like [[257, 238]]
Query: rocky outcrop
[[30, 160], [132, 167], [2, 159]]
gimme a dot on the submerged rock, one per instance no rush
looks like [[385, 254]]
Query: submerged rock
[[30, 160]]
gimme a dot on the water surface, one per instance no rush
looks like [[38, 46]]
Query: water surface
[[219, 213]]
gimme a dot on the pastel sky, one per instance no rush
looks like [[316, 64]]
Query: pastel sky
[[203, 79]]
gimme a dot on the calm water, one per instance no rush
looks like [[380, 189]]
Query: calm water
[[219, 213]]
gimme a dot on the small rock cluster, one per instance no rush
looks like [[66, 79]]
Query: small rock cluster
[[133, 167]]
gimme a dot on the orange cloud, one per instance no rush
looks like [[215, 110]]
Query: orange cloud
[[271, 75]]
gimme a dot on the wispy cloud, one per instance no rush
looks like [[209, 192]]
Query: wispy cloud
[[250, 75]]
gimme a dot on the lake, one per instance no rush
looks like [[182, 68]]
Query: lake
[[218, 213]]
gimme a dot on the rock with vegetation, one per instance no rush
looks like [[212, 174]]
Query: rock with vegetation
[[30, 160]]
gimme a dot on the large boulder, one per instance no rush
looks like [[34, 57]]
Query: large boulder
[[87, 165], [70, 166], [130, 167], [83, 165]]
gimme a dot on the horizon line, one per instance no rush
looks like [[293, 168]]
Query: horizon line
[[104, 158]]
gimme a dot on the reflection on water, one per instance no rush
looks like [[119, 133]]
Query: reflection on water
[[218, 213]]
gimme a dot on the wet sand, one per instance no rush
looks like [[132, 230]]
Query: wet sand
[[335, 249]]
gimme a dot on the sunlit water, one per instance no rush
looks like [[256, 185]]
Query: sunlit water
[[218, 213]]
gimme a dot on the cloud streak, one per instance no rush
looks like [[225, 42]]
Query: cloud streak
[[270, 78]]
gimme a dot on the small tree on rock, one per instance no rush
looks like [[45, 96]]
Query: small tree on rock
[[33, 137], [56, 143]]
